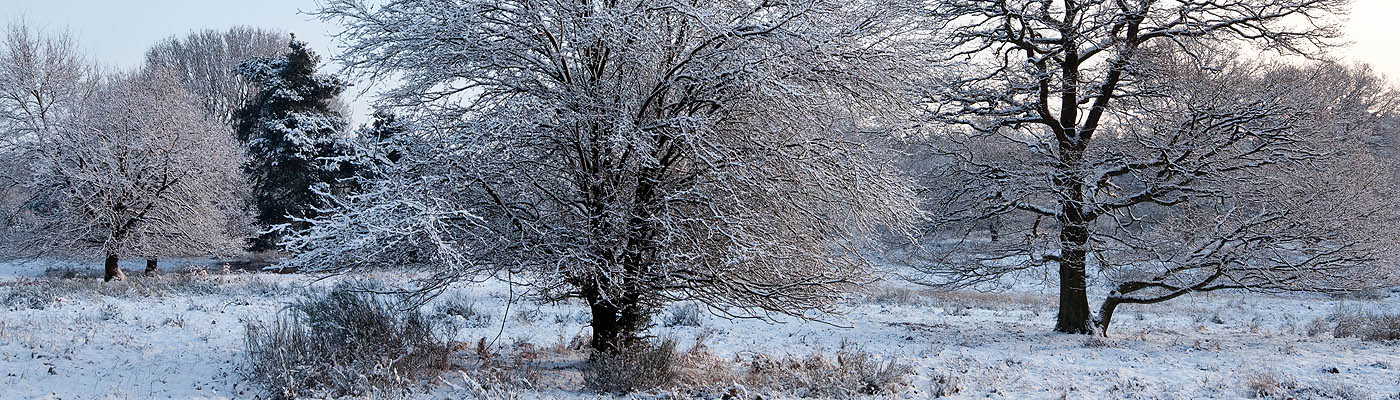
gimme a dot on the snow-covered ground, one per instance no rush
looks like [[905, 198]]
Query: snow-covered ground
[[183, 337]]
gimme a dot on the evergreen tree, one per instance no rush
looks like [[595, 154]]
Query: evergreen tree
[[383, 133], [289, 130]]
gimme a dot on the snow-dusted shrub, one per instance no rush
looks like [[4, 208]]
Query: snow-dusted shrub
[[459, 307], [689, 314], [109, 312], [853, 373], [895, 296], [1317, 326], [943, 385], [341, 343], [639, 367], [1367, 325], [1263, 385], [527, 315], [28, 296]]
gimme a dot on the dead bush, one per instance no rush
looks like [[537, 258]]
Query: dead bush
[[641, 367], [1366, 325], [1263, 385], [462, 312], [852, 373], [343, 343], [689, 314]]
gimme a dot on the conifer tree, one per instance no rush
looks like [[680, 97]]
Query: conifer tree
[[290, 130]]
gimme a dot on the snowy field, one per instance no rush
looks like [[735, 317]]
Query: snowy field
[[182, 336]]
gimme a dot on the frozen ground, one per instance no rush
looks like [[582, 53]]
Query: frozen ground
[[182, 337]]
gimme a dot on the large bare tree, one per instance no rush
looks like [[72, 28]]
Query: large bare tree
[[1122, 134], [631, 153], [137, 169]]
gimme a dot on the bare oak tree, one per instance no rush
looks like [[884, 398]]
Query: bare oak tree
[[1123, 134], [630, 153]]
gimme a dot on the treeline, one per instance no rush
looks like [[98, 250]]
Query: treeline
[[217, 138]]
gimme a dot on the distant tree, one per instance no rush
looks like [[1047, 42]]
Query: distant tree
[[206, 60], [290, 130], [138, 170], [631, 154]]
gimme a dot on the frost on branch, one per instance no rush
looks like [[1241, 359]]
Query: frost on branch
[[631, 154]]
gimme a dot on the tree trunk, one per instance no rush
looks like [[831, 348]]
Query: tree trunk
[[994, 228], [1074, 316], [615, 327], [1106, 316], [605, 329], [151, 268], [110, 269]]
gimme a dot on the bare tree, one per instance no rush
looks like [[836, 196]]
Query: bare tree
[[1053, 72], [1123, 136], [43, 78], [138, 169], [630, 153], [205, 62]]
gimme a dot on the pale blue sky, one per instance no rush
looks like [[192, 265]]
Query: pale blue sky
[[117, 32]]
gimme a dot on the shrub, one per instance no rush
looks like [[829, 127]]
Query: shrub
[[1318, 326], [29, 296], [458, 307], [527, 315], [853, 373], [640, 367], [895, 296], [1367, 325], [943, 385], [1274, 386], [689, 314], [1267, 386], [343, 343]]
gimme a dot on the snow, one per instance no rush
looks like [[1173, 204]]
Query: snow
[[96, 343]]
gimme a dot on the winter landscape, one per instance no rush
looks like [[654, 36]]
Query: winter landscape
[[673, 199]]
